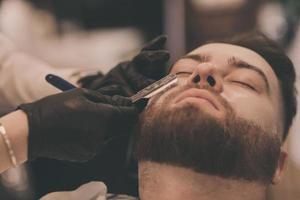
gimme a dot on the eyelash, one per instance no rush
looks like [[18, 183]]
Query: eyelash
[[183, 72], [245, 84]]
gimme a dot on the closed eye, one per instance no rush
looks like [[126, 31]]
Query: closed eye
[[183, 72], [244, 85]]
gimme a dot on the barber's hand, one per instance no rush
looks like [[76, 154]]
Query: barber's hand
[[76, 125], [145, 68]]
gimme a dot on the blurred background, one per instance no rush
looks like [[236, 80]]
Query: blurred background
[[88, 35]]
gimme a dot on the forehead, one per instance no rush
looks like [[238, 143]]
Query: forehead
[[222, 51]]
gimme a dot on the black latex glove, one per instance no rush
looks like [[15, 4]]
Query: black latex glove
[[145, 68], [76, 125]]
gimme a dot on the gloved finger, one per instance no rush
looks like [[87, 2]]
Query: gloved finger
[[149, 57], [97, 97], [141, 104], [138, 81], [121, 100], [112, 90], [118, 109], [94, 96], [157, 43], [116, 76], [86, 81], [128, 113]]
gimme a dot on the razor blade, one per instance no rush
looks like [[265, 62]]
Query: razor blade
[[155, 88]]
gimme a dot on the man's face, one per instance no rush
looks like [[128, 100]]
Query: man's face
[[223, 117], [242, 77]]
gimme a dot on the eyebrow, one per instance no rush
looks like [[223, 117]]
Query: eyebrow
[[233, 61], [236, 62], [198, 57]]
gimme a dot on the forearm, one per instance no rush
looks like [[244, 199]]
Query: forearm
[[17, 84], [16, 126], [17, 70]]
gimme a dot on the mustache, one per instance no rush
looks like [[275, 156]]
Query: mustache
[[176, 90]]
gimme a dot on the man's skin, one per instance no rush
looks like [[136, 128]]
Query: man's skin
[[251, 89]]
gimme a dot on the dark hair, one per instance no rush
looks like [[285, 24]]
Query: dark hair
[[281, 65]]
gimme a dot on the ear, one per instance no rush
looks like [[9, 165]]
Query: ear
[[281, 167]]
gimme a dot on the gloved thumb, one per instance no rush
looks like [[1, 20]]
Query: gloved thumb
[[155, 44]]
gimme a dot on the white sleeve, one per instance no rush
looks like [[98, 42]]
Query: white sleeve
[[92, 190], [22, 77]]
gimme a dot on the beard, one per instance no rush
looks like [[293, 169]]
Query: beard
[[189, 137]]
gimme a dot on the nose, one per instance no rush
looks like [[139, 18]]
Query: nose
[[206, 75]]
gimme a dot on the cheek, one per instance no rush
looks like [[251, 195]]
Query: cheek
[[252, 107], [161, 97]]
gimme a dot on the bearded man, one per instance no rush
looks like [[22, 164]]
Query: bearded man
[[218, 133]]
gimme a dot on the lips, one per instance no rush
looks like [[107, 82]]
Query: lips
[[198, 93]]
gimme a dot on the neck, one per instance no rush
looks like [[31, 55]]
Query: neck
[[166, 182]]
